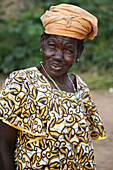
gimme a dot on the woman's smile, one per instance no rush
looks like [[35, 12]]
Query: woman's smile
[[56, 67], [59, 54]]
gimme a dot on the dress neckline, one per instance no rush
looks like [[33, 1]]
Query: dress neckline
[[71, 93]]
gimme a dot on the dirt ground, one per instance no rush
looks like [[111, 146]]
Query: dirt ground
[[103, 148]]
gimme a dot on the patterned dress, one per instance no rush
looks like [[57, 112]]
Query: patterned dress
[[53, 132]]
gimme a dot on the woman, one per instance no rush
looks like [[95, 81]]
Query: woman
[[48, 117]]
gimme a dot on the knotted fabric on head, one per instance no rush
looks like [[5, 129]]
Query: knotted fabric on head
[[69, 20]]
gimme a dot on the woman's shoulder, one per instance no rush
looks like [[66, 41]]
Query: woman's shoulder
[[23, 73], [20, 76], [78, 80], [81, 81]]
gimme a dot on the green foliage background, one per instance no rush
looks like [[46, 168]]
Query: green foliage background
[[20, 36]]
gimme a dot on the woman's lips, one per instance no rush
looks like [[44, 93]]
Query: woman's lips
[[56, 67]]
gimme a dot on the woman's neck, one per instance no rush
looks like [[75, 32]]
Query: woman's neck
[[60, 80]]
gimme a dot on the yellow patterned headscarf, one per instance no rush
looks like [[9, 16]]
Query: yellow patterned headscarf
[[71, 21]]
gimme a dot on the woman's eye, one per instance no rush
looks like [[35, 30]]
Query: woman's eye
[[68, 51], [51, 45]]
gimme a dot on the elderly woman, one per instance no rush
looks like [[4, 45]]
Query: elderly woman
[[48, 117]]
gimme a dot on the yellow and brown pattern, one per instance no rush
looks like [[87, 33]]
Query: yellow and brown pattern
[[54, 132]]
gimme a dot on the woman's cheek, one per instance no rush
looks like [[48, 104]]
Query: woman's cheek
[[48, 54], [70, 60]]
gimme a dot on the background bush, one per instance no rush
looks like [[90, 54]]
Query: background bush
[[20, 36]]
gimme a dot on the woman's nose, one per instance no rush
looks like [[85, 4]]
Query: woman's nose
[[58, 56]]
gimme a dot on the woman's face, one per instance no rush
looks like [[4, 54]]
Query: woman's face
[[59, 54]]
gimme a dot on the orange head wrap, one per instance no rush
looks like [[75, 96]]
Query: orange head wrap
[[71, 21]]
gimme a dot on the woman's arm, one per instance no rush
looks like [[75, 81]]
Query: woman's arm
[[8, 136]]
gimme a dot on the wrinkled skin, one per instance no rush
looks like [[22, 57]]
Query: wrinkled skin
[[59, 54]]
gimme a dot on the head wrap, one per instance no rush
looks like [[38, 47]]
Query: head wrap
[[69, 20]]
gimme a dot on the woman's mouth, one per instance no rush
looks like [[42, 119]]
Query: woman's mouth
[[56, 67]]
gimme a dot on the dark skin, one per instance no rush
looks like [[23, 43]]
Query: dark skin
[[59, 54], [7, 145]]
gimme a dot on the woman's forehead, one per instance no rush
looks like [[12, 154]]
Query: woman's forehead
[[60, 39]]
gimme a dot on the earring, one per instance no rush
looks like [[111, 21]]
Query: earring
[[77, 60], [41, 50]]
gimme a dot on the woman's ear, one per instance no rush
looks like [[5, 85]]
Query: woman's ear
[[42, 41], [80, 50]]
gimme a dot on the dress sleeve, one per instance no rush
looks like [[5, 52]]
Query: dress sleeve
[[94, 120], [18, 106]]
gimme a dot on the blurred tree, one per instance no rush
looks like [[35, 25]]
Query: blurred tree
[[20, 38]]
